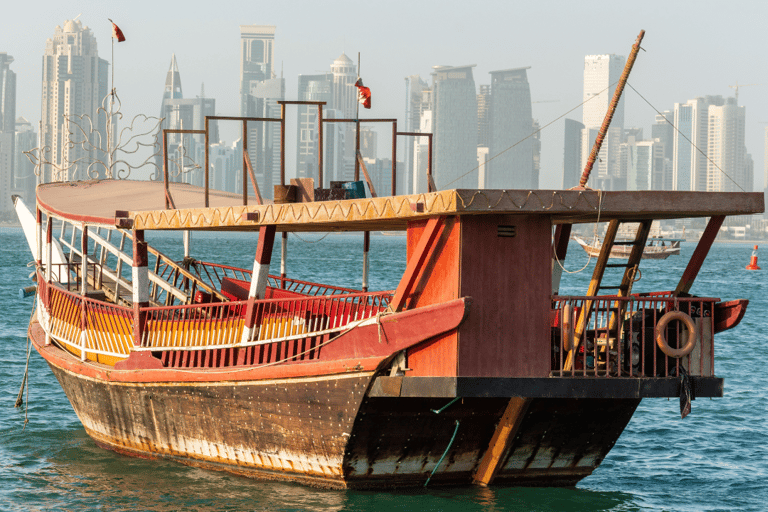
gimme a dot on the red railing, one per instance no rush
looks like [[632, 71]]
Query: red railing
[[220, 325], [215, 273], [627, 346]]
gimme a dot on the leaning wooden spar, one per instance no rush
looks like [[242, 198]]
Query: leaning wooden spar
[[473, 369]]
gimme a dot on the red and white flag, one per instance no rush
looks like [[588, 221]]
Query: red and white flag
[[116, 32], [363, 93]]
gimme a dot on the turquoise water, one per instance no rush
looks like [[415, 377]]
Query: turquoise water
[[715, 459]]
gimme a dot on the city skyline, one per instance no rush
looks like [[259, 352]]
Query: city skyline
[[207, 50]]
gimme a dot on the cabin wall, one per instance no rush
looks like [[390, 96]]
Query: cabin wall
[[507, 332], [437, 283]]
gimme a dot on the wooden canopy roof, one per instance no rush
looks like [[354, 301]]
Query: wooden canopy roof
[[141, 204]]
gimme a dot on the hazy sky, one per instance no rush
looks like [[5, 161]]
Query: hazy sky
[[691, 49]]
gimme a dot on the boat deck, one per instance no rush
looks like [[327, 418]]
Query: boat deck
[[141, 205]]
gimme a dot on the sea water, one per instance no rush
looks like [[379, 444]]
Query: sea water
[[714, 459]]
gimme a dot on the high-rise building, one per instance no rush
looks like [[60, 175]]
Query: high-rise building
[[601, 76], [415, 105], [24, 178], [75, 83], [572, 153], [511, 125], [421, 153], [729, 168], [318, 87], [345, 103], [689, 143], [178, 113], [642, 163], [257, 55], [663, 132], [454, 119], [7, 130], [484, 116], [260, 91], [337, 89]]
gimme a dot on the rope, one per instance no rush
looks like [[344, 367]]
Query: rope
[[686, 138], [310, 241], [554, 251], [25, 379], [450, 443], [447, 185]]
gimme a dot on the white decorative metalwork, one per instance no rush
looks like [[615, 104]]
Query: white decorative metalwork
[[110, 154]]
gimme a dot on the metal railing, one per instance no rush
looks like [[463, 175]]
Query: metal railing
[[628, 346]]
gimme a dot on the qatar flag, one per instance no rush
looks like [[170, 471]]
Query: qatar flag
[[116, 32], [363, 93]]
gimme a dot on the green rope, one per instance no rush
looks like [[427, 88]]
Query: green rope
[[438, 411], [446, 450]]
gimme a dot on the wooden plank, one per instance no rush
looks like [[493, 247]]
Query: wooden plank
[[699, 255], [501, 441], [365, 173], [594, 286], [254, 183], [423, 253]]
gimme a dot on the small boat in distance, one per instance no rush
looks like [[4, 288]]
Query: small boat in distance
[[657, 248]]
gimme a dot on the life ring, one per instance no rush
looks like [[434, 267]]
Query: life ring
[[661, 339], [567, 328]]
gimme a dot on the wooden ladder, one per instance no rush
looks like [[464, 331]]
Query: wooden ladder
[[596, 284]]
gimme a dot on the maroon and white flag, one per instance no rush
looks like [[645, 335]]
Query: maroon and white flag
[[363, 93], [116, 32]]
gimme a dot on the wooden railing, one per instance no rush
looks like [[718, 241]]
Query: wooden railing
[[628, 346]]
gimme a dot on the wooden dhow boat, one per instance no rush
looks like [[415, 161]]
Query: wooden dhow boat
[[655, 249], [474, 369]]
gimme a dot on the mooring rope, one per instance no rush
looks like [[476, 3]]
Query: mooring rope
[[594, 236], [450, 443], [25, 378]]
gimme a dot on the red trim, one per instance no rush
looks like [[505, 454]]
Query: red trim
[[61, 359], [421, 255], [110, 221]]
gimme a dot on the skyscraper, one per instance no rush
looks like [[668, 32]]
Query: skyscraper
[[729, 168], [663, 132], [511, 124], [416, 102], [7, 129], [337, 89], [572, 153], [257, 55], [689, 144], [318, 87], [454, 127], [185, 114], [24, 179], [75, 83], [601, 75], [260, 91]]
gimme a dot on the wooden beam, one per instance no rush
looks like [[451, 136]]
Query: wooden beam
[[421, 255], [365, 173], [699, 255], [254, 183], [502, 439]]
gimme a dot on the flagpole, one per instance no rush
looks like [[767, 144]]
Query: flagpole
[[110, 128], [366, 234], [357, 127]]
